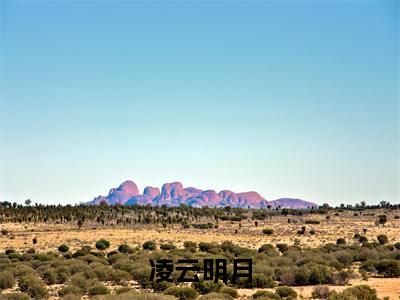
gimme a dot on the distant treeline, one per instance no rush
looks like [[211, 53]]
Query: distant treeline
[[131, 215]]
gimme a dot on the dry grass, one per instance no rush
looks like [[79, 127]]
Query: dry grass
[[345, 225]]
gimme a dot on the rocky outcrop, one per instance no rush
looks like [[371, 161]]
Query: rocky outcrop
[[174, 194]]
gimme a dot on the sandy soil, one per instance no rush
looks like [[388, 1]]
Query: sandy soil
[[385, 287], [50, 236]]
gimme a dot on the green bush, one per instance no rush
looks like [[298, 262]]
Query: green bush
[[265, 248], [282, 247], [387, 267], [63, 248], [15, 296], [124, 248], [182, 293], [265, 295], [205, 287], [262, 281], [167, 246], [149, 245], [70, 289], [229, 291], [268, 231], [7, 280], [98, 289], [397, 245], [123, 290], [340, 241], [79, 280], [33, 286], [320, 292], [208, 225], [359, 292], [320, 274], [102, 244], [48, 275], [315, 222], [120, 276], [161, 286], [215, 296], [286, 292], [192, 246], [382, 239]]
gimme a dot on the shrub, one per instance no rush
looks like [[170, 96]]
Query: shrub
[[102, 244], [262, 281], [320, 274], [33, 286], [124, 248], [119, 276], [149, 245], [320, 292], [315, 222], [15, 296], [359, 292], [397, 245], [98, 289], [205, 287], [282, 247], [382, 219], [312, 231], [340, 241], [124, 290], [49, 275], [207, 247], [192, 246], [161, 286], [268, 231], [79, 280], [7, 280], [382, 239], [215, 296], [265, 248], [286, 292], [63, 248], [167, 246], [208, 225], [265, 295], [4, 231], [182, 293], [229, 291], [388, 267], [70, 289]]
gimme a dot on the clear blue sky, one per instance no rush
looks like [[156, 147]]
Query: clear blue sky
[[290, 99]]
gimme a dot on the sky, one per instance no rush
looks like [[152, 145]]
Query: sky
[[286, 98]]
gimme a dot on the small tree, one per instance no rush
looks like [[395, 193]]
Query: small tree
[[102, 244], [382, 219], [268, 231], [124, 248], [149, 245], [63, 248], [382, 239], [340, 241]]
